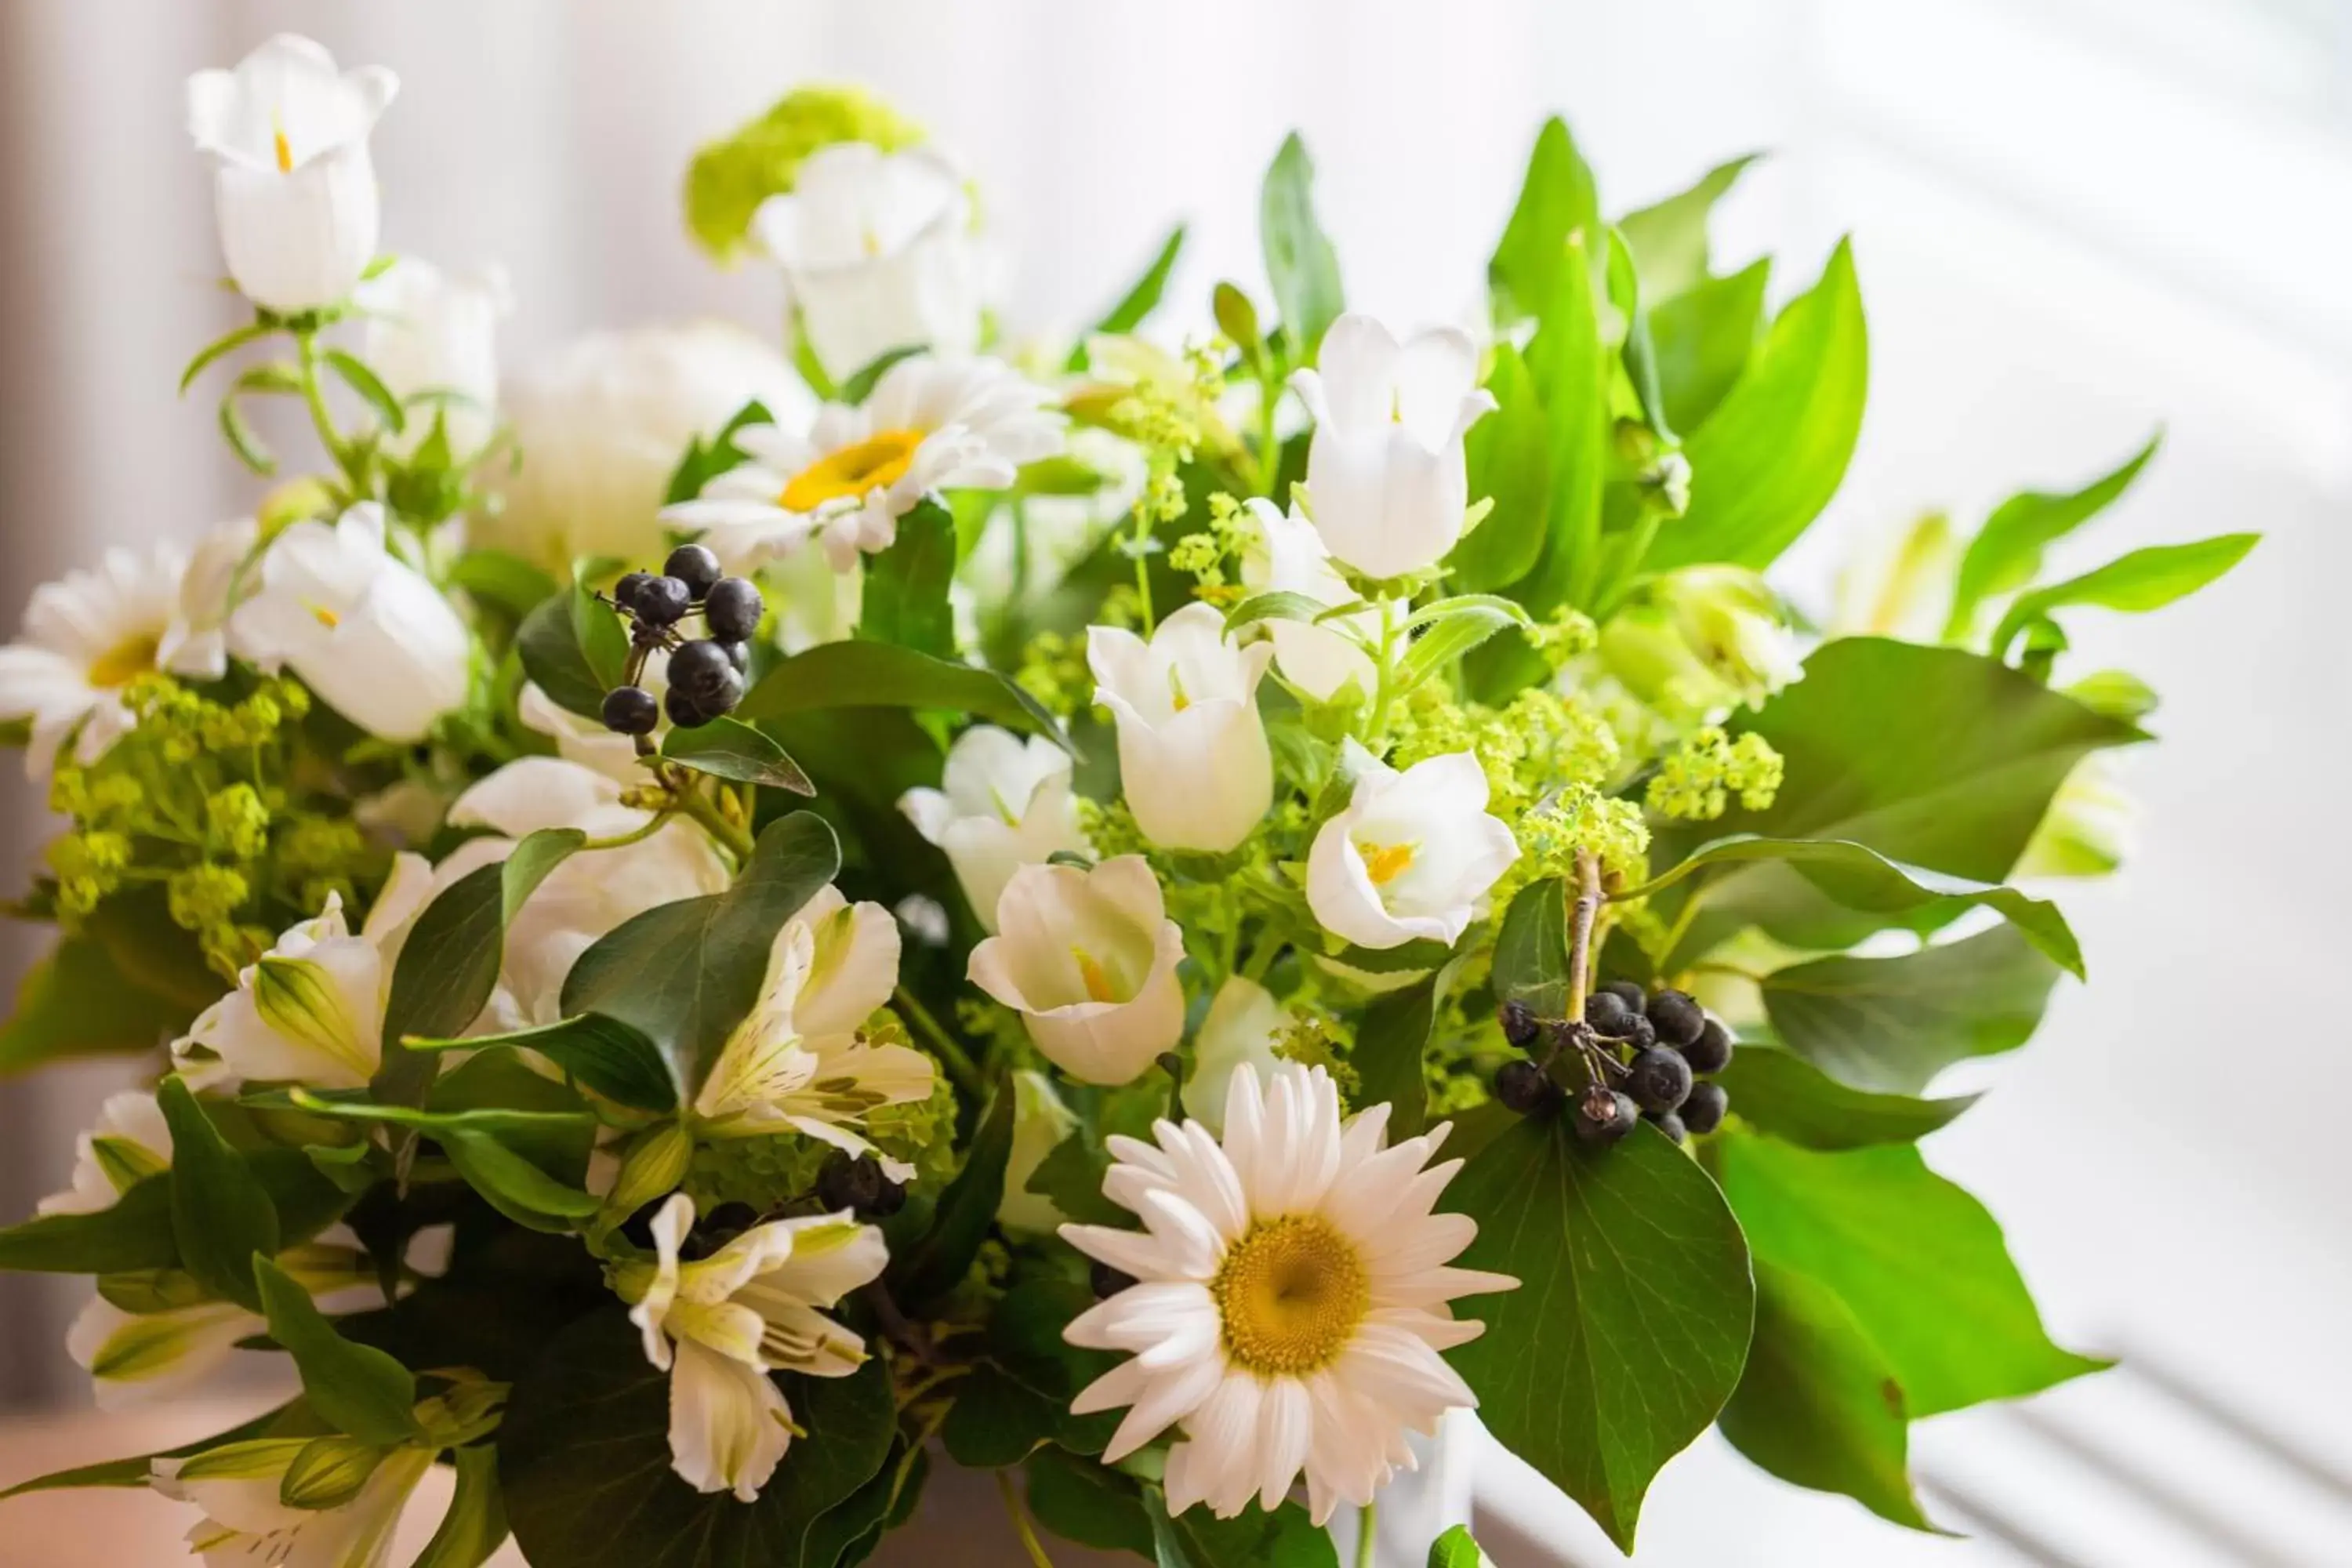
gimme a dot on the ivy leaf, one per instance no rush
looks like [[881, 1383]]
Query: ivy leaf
[[357, 1388], [1071, 1176], [1531, 950], [1389, 1046], [610, 1057], [76, 1002], [937, 1264], [2143, 579], [906, 595], [861, 674], [222, 1216], [1081, 1500], [728, 749], [1455, 1549], [573, 649], [1253, 1538], [1668, 239], [1557, 199], [1919, 1264], [1509, 457], [1893, 1024], [2006, 554], [1703, 340], [1141, 299], [1779, 1093], [1630, 1322], [1300, 262]]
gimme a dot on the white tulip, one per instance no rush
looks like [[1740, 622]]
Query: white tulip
[[1412, 855], [877, 250], [1088, 959], [1192, 756], [1006, 804], [362, 628], [295, 189], [1291, 558], [603, 424], [1240, 1029], [1386, 478], [435, 331]]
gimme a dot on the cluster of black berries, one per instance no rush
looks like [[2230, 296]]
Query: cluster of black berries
[[706, 676], [858, 1184], [1643, 1057]]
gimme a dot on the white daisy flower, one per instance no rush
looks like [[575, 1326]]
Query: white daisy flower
[[931, 425], [1293, 1298], [721, 1324]]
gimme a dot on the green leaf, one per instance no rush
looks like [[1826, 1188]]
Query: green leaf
[[584, 1456], [996, 1421], [705, 461], [136, 1232], [476, 1525], [728, 749], [858, 674], [683, 974], [238, 433], [372, 390], [1769, 459], [1704, 339], [508, 581], [1141, 299], [1254, 1539], [1779, 1093], [1025, 1344], [1455, 1549], [222, 1216], [862, 382], [1300, 262], [1391, 1044], [1638, 353], [356, 1388], [1081, 1500], [1531, 950], [1630, 1322], [1509, 457], [1669, 238], [906, 594], [1071, 1175], [607, 1056], [1278, 604], [512, 1185], [2006, 554], [293, 1420], [937, 1264], [1558, 202], [1452, 633], [230, 343], [1569, 363], [572, 648], [1918, 1262], [486, 1118], [1819, 1406], [2144, 579], [76, 1003], [1893, 1024]]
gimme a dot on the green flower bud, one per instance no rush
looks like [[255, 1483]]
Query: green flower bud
[[731, 176], [238, 818], [656, 1162]]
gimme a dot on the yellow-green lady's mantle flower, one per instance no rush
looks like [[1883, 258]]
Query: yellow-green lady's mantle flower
[[762, 158]]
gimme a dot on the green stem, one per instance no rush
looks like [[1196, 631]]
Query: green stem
[[1581, 915], [1269, 454], [1021, 1527], [690, 799], [1143, 570], [314, 396], [1366, 1516], [959, 1062], [651, 826], [1376, 725]]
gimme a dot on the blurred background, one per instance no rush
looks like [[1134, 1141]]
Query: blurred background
[[2076, 221]]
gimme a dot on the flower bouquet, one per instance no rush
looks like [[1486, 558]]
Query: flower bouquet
[[1167, 922]]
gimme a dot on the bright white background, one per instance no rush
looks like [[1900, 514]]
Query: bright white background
[[2075, 220]]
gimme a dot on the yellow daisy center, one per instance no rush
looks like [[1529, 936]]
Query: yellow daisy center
[[878, 460], [1292, 1294], [1384, 863], [133, 655]]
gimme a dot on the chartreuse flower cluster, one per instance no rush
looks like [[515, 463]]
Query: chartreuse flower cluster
[[682, 991]]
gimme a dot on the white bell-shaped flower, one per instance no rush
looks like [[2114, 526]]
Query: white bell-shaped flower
[[1088, 960], [1004, 803], [1318, 657], [1192, 756], [433, 335], [1411, 855]]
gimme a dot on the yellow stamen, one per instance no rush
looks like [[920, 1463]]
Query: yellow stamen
[[326, 617], [1177, 700], [1384, 863], [133, 655], [1292, 1293], [285, 148], [1096, 977], [879, 461]]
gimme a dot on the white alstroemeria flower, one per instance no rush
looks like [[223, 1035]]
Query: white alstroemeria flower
[[310, 1010], [1290, 557], [1040, 1122], [877, 250], [363, 630], [1735, 627], [720, 1325], [797, 1061], [237, 1487], [1411, 855], [1239, 1031], [431, 331], [2088, 830], [1192, 757], [589, 894], [586, 741], [131, 1143], [931, 425], [1292, 1297], [295, 188], [1898, 584], [87, 637], [602, 426], [1088, 960], [1386, 478], [1005, 804]]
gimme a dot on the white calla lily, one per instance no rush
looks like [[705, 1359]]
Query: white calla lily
[[1290, 557], [294, 186], [1088, 959], [1243, 1022], [1193, 755], [1387, 480], [434, 333], [1411, 855], [1004, 803]]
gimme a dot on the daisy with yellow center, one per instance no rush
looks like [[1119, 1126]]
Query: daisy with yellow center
[[1292, 1297], [929, 424]]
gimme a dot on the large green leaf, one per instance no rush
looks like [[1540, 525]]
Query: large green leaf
[[1300, 262], [1509, 458], [1632, 1319], [1704, 339], [1769, 457], [584, 1461], [855, 674], [1556, 199], [1818, 1406], [1669, 238], [76, 1002], [1080, 1500], [222, 1215], [2006, 554], [683, 974], [573, 649], [938, 1263], [728, 749], [1893, 1024], [598, 1053], [135, 1232], [905, 599], [1779, 1093], [356, 1388], [1458, 1549], [1141, 299], [1254, 1539], [2141, 581], [1919, 1264], [1531, 950], [1390, 1046]]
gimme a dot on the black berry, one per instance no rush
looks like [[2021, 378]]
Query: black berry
[[1606, 1012], [1703, 1112], [661, 601], [1524, 1087], [1676, 1017], [847, 1183], [1668, 1123], [1711, 1052], [1107, 1282], [1635, 1030], [740, 656], [729, 693], [1520, 1025], [684, 710], [625, 591], [889, 1200], [701, 670], [694, 565], [1625, 991], [732, 608], [1659, 1080], [1604, 1115], [631, 710]]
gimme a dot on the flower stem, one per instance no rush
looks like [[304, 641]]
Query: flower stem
[[1366, 1536], [1376, 726], [1021, 1527], [732, 835], [957, 1061], [651, 826], [1581, 915], [314, 396]]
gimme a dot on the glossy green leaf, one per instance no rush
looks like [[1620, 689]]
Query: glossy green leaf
[[1454, 634], [1254, 1539], [1557, 201], [1531, 948], [728, 749], [75, 1002], [906, 595], [476, 1525], [1141, 299], [1779, 1093], [2006, 554], [1456, 1548], [222, 1215], [1704, 339], [1569, 363], [136, 1232], [1277, 604], [1072, 1175], [602, 1055], [1080, 1500], [508, 581], [370, 387], [1630, 1322], [1669, 239], [356, 1388], [1300, 262], [1638, 353], [572, 648], [1025, 1344], [2144, 579], [855, 674], [1391, 1044], [1918, 1262], [1509, 457], [937, 1264], [512, 1185], [1766, 462]]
